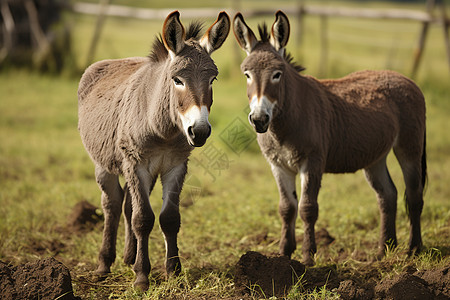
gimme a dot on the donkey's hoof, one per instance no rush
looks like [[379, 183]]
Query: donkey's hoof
[[173, 267], [102, 271], [141, 284], [414, 251], [100, 274], [309, 261]]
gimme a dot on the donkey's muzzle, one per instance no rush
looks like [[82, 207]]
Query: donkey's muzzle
[[198, 134], [260, 122]]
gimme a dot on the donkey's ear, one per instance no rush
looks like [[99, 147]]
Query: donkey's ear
[[244, 35], [217, 33], [280, 32], [173, 34]]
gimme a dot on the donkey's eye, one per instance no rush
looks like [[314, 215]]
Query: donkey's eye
[[276, 76], [178, 81]]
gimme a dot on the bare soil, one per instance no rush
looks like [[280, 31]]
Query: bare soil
[[43, 279], [254, 273]]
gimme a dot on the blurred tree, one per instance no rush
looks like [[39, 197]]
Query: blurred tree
[[32, 34]]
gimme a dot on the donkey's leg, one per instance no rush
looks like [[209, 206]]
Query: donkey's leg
[[169, 219], [287, 208], [379, 179], [112, 197], [309, 210], [129, 256], [139, 182], [412, 174]]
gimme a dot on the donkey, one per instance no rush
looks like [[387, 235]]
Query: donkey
[[312, 127], [140, 118]]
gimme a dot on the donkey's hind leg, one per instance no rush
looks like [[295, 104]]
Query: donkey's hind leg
[[112, 197], [129, 256], [413, 174], [379, 179], [287, 208]]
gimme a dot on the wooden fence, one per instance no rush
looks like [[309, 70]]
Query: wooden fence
[[426, 17]]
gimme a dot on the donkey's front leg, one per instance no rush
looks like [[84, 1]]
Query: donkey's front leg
[[139, 182], [309, 212], [287, 208], [112, 196], [169, 219]]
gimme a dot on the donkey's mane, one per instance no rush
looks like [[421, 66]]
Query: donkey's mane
[[265, 38], [159, 51]]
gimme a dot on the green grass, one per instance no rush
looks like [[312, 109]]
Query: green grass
[[45, 171]]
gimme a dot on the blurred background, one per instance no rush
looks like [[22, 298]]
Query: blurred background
[[329, 37], [229, 203]]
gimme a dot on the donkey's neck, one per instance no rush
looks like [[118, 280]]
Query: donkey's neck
[[300, 109], [160, 110], [287, 108]]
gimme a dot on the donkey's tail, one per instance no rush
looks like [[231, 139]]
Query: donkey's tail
[[424, 162]]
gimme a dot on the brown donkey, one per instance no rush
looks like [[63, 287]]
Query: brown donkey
[[141, 117], [311, 127]]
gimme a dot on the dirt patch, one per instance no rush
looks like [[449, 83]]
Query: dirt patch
[[431, 284], [350, 290], [323, 237], [84, 217], [272, 275], [43, 279]]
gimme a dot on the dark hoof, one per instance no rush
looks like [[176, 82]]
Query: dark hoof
[[101, 274], [414, 251], [141, 284], [173, 267], [309, 261], [102, 270]]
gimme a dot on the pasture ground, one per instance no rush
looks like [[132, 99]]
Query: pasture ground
[[230, 200]]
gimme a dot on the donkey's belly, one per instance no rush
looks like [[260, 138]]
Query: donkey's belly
[[351, 157]]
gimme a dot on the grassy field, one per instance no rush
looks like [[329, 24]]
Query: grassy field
[[226, 210]]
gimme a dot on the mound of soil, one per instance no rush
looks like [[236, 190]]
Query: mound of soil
[[43, 279], [431, 284], [423, 285], [350, 290], [273, 275], [84, 217]]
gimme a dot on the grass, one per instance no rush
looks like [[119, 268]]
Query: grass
[[45, 171]]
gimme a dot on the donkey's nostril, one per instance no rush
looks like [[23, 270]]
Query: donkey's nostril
[[198, 134], [260, 124], [191, 132]]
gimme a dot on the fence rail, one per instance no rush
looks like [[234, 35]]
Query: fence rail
[[426, 17], [161, 14]]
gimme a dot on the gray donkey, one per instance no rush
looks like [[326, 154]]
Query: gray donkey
[[141, 117], [309, 127]]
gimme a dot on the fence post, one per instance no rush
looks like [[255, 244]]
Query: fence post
[[98, 28], [423, 35], [236, 49], [323, 64], [8, 28], [445, 24]]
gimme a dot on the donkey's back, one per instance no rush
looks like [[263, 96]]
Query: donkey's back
[[101, 95], [376, 88], [108, 74], [373, 112]]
